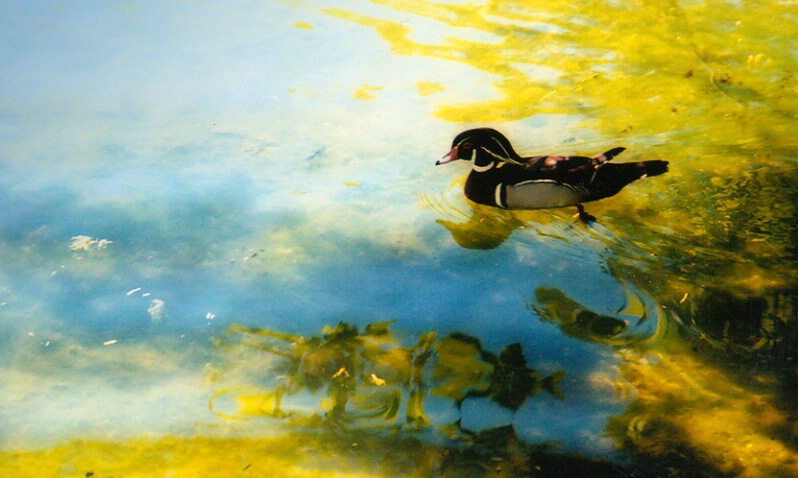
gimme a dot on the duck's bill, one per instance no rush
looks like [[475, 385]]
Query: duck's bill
[[448, 157]]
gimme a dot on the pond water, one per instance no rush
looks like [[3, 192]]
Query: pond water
[[226, 249]]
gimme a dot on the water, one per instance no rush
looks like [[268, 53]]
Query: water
[[225, 245]]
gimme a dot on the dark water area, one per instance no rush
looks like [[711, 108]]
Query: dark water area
[[225, 247]]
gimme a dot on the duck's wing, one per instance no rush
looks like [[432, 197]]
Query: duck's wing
[[608, 155], [559, 164], [569, 164]]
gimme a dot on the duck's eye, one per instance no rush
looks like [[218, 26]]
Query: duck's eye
[[466, 145]]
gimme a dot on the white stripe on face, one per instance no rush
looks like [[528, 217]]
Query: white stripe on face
[[479, 169]]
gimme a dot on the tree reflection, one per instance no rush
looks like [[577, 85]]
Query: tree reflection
[[368, 378], [688, 409]]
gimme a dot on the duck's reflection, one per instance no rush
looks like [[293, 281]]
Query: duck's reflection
[[471, 225], [369, 378], [482, 230], [474, 226]]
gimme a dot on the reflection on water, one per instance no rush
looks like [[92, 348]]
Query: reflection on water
[[471, 225], [689, 410], [638, 320], [371, 376], [173, 169], [474, 226]]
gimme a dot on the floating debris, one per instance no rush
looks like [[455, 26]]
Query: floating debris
[[86, 243], [109, 342], [101, 243], [341, 371], [133, 291], [157, 310], [251, 254], [81, 243]]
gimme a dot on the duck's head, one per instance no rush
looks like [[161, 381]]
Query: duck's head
[[483, 146]]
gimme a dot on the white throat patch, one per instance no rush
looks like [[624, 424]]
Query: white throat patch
[[479, 169]]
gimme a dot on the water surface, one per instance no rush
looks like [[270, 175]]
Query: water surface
[[225, 243]]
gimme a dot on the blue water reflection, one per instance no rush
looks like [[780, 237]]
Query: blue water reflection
[[177, 266]]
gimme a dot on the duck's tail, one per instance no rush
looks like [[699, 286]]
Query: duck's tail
[[655, 167], [610, 178]]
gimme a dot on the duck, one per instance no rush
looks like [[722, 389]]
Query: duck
[[502, 178]]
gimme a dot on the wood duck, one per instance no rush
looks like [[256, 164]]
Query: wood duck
[[501, 177]]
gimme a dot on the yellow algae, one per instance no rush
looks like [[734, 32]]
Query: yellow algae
[[365, 92], [427, 88], [303, 25], [687, 405], [294, 455], [641, 68], [660, 76], [460, 368], [303, 455]]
